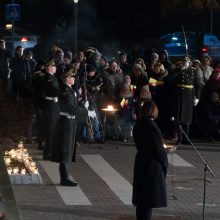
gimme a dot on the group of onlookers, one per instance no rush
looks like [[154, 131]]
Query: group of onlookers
[[187, 90]]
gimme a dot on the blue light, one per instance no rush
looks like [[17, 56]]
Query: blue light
[[174, 38]]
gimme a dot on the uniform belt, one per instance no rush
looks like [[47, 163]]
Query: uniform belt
[[69, 116], [185, 86], [55, 99]]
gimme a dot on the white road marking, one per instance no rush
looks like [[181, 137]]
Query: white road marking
[[208, 204], [178, 161], [70, 195], [184, 188], [118, 184]]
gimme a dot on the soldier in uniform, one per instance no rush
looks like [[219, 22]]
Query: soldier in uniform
[[51, 107], [63, 146], [186, 95]]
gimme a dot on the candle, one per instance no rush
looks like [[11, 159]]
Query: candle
[[7, 161], [20, 145], [110, 107], [9, 169], [23, 171], [15, 170]]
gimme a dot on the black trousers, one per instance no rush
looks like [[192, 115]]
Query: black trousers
[[64, 171], [143, 214]]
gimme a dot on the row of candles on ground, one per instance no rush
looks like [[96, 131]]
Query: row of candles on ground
[[21, 156]]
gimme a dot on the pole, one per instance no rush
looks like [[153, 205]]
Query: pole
[[186, 44], [211, 20], [76, 28], [206, 170], [13, 35]]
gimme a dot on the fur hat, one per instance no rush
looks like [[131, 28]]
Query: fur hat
[[125, 91], [145, 92]]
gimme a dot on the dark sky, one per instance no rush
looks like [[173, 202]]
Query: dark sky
[[105, 20]]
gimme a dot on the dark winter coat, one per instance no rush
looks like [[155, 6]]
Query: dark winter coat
[[50, 108], [150, 167], [64, 135], [183, 98], [4, 64]]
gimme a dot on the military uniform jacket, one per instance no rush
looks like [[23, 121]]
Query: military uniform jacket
[[51, 107], [64, 134], [186, 89]]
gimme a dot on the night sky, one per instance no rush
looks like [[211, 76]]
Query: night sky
[[115, 20]]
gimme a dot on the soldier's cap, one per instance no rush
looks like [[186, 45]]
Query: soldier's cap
[[196, 61], [68, 73], [49, 63]]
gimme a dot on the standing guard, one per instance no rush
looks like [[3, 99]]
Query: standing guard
[[63, 146], [51, 107], [186, 95]]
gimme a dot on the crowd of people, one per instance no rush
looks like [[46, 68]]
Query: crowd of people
[[68, 93], [187, 90]]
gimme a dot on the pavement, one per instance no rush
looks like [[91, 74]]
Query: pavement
[[104, 173]]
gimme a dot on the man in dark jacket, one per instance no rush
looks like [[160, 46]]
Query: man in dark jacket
[[4, 65], [18, 75], [65, 131]]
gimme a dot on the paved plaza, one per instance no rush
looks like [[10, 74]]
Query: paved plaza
[[104, 173]]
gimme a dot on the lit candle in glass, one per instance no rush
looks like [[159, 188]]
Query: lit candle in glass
[[15, 170], [9, 169], [23, 171], [7, 161]]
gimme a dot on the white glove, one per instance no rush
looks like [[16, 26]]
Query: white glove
[[196, 101], [86, 104], [92, 114]]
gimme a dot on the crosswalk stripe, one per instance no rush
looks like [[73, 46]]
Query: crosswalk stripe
[[177, 161], [70, 195], [118, 184]]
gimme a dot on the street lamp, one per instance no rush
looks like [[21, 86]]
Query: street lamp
[[76, 25]]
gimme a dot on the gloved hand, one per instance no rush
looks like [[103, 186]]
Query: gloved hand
[[86, 104], [92, 114], [196, 101]]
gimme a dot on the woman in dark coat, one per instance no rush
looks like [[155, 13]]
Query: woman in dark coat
[[150, 168]]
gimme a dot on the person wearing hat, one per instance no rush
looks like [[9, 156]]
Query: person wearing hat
[[186, 89], [51, 107], [127, 109], [124, 65], [139, 78], [63, 145]]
